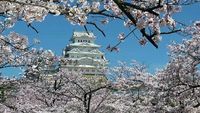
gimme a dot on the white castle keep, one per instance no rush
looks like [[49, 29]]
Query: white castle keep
[[83, 55]]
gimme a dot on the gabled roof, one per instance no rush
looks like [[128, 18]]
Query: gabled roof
[[83, 34], [77, 50], [84, 44]]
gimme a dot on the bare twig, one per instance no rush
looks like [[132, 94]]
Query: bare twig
[[30, 25], [99, 29]]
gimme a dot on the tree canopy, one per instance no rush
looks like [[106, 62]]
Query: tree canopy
[[173, 89]]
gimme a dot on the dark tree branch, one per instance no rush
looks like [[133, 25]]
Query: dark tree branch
[[127, 13], [85, 27], [170, 32], [149, 37], [99, 29], [99, 88], [30, 25], [88, 96], [102, 100]]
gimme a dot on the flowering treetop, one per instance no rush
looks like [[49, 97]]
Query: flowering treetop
[[149, 18]]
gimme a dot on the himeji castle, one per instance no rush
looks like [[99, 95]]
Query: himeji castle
[[83, 55]]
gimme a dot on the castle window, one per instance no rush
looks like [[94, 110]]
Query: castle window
[[67, 55]]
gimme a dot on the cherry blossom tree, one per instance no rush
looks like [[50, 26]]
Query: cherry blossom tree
[[136, 89], [13, 50], [172, 89], [66, 91], [179, 81], [17, 52]]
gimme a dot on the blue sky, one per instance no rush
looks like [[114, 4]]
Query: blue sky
[[55, 32]]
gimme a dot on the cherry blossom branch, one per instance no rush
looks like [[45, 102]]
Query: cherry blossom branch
[[150, 10], [149, 37], [102, 100], [125, 11], [88, 96], [120, 41], [24, 3], [105, 14], [98, 88]]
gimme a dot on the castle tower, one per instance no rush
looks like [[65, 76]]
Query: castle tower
[[83, 55]]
